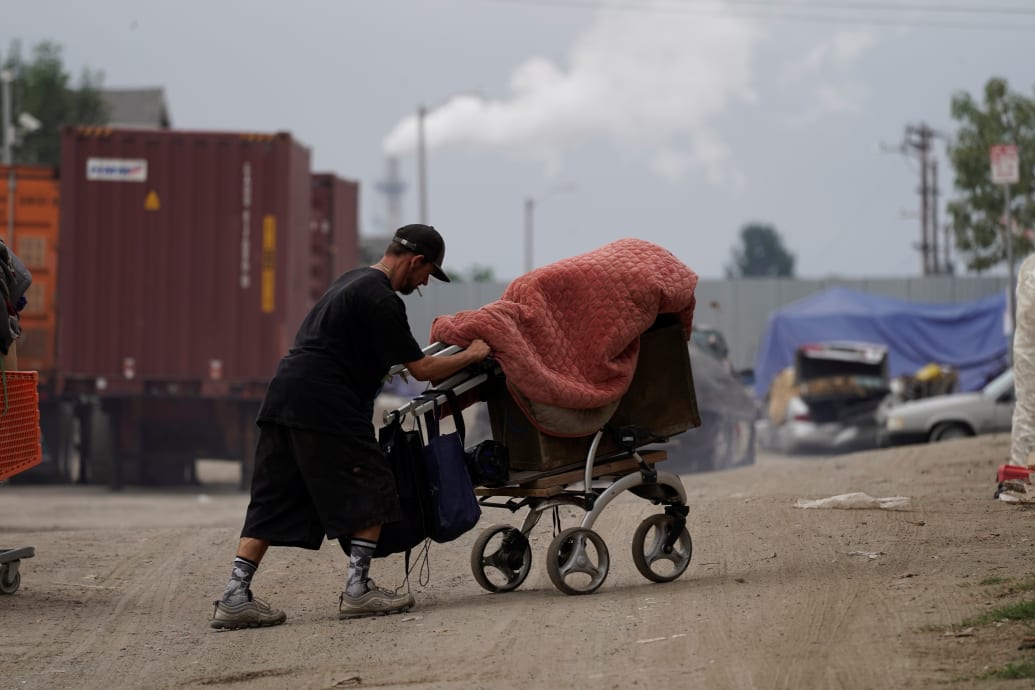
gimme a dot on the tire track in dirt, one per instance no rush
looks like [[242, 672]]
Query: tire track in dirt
[[823, 623], [129, 603]]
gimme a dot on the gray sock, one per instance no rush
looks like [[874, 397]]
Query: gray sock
[[238, 589], [360, 553]]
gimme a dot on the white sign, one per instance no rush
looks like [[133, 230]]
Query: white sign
[[116, 169], [1005, 165]]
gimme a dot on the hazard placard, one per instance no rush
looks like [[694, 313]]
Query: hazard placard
[[152, 203]]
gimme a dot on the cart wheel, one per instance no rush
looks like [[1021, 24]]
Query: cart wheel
[[578, 561], [8, 584], [652, 559], [511, 558]]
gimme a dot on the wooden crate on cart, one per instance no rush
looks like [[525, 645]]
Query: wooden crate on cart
[[661, 398]]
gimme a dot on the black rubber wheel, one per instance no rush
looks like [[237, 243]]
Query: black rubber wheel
[[578, 561], [648, 549], [948, 431], [504, 552], [8, 584]]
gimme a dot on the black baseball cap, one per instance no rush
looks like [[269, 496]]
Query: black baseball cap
[[424, 240]]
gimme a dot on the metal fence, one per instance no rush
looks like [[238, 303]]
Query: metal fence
[[739, 308]]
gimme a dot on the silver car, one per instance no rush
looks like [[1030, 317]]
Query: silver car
[[956, 415], [829, 402]]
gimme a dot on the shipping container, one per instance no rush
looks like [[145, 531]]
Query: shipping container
[[185, 271], [34, 238], [334, 231], [185, 259]]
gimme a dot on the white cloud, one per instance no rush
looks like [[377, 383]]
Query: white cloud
[[829, 98], [645, 81], [824, 74], [838, 52]]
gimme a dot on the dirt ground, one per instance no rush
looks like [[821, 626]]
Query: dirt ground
[[120, 590]]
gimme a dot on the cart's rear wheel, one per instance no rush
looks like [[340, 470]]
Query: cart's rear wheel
[[501, 558], [653, 559], [578, 561], [9, 584]]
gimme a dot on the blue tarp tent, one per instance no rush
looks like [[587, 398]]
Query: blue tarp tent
[[968, 336]]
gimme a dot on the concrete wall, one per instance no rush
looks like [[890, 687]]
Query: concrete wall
[[739, 308]]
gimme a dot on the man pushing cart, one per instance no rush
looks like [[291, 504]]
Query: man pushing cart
[[593, 366]]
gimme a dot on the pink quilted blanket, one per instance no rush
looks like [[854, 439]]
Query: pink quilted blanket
[[568, 334]]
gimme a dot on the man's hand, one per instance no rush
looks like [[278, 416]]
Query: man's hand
[[479, 349], [437, 368]]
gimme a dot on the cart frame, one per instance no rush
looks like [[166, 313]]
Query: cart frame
[[577, 559], [10, 559]]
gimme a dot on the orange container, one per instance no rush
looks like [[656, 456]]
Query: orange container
[[20, 446], [36, 209]]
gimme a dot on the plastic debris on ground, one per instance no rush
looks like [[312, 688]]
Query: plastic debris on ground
[[857, 500]]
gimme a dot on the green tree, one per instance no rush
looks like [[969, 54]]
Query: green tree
[[976, 215], [761, 253], [481, 274], [41, 87]]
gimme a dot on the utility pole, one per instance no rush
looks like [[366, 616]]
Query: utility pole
[[933, 226], [918, 142]]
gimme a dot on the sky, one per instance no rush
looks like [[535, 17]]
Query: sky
[[674, 121]]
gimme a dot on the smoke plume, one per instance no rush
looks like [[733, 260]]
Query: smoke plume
[[652, 83]]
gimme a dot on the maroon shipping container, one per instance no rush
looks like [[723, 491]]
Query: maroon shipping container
[[334, 231], [185, 260]]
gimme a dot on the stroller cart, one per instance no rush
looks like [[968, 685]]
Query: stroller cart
[[586, 473], [20, 449]]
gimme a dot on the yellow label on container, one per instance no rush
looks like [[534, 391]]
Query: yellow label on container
[[269, 262], [152, 203]]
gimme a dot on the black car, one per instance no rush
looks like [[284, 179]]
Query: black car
[[726, 436]]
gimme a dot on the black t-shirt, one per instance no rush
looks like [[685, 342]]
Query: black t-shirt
[[328, 380]]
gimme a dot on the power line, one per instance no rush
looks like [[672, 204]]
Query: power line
[[753, 7], [839, 5]]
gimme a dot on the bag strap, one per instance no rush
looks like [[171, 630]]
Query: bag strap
[[432, 417]]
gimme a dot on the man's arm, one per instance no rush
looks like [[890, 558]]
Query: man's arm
[[438, 368]]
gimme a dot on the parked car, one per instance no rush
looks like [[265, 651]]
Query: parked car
[[712, 341], [826, 402], [956, 415], [726, 437]]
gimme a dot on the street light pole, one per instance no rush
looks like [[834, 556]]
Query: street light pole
[[529, 211], [8, 134], [530, 221], [6, 77], [1008, 238], [422, 173]]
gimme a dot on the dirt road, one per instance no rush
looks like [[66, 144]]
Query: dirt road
[[119, 592]]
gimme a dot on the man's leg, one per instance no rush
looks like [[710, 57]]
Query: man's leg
[[249, 554], [237, 608], [361, 596], [361, 551]]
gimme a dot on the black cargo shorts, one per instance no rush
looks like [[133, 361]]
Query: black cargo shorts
[[309, 485]]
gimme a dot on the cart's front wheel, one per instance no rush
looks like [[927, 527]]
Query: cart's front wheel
[[578, 561], [659, 554], [501, 558], [9, 583]]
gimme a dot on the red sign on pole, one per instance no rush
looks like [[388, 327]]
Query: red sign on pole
[[1005, 165]]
